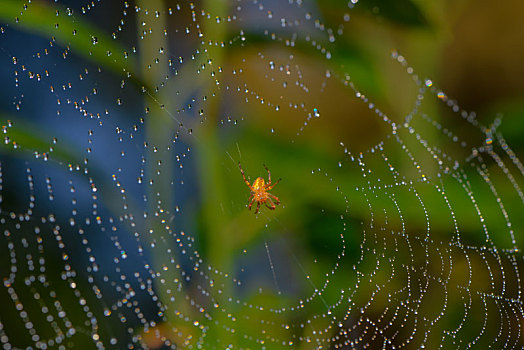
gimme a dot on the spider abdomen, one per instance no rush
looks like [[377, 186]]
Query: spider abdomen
[[258, 184]]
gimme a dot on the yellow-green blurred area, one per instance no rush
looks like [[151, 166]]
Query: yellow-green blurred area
[[394, 126]]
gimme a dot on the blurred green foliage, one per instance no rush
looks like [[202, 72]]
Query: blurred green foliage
[[308, 221]]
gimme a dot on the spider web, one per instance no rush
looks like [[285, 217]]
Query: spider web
[[124, 214]]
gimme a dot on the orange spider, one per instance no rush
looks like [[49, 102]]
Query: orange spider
[[259, 191]]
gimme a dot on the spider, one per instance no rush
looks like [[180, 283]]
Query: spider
[[259, 191]]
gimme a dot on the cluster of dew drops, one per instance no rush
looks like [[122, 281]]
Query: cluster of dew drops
[[338, 318]]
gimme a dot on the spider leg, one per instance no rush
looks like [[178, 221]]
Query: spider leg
[[272, 207], [268, 174], [243, 175], [274, 197], [250, 200], [258, 207], [270, 186]]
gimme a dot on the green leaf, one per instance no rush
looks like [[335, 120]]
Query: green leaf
[[28, 140], [402, 12]]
